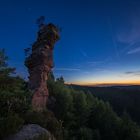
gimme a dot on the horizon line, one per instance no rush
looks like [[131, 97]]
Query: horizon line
[[104, 84]]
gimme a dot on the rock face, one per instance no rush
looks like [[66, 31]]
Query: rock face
[[40, 63], [31, 132]]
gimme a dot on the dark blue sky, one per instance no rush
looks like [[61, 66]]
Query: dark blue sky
[[100, 39]]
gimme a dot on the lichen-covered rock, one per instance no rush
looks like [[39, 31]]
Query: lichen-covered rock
[[32, 132], [40, 63]]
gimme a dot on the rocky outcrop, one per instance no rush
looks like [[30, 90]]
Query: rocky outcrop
[[31, 132], [40, 63]]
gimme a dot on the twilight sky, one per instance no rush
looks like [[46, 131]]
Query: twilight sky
[[100, 39]]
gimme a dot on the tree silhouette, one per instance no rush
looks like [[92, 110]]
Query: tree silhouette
[[40, 21]]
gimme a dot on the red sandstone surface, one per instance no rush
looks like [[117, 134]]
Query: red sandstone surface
[[40, 63]]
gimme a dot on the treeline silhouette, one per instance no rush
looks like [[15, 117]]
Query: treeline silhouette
[[73, 114]]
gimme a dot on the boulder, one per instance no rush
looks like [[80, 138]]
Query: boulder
[[31, 132]]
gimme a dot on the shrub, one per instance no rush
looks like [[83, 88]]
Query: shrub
[[85, 134], [10, 125]]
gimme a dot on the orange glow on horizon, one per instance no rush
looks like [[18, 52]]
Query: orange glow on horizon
[[106, 83]]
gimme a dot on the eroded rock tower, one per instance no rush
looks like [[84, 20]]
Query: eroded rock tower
[[40, 63]]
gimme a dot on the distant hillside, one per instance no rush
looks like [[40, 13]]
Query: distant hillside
[[122, 98], [133, 87]]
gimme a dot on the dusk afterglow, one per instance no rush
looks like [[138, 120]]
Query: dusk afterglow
[[99, 44]]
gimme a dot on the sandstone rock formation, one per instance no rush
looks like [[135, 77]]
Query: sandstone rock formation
[[40, 63]]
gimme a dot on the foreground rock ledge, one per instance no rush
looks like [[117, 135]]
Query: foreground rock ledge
[[31, 132]]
